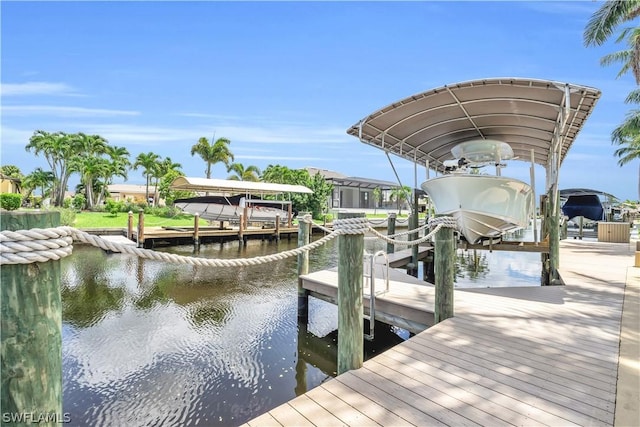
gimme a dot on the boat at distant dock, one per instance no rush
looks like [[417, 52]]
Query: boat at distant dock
[[226, 200], [484, 206], [223, 208]]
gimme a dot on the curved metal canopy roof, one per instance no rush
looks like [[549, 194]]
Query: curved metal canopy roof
[[527, 114]]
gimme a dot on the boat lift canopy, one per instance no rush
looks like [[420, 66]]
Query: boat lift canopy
[[228, 187], [529, 114]]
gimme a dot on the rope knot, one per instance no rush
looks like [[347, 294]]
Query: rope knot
[[445, 221], [358, 225]]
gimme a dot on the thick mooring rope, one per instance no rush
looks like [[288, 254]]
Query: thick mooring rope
[[41, 245]]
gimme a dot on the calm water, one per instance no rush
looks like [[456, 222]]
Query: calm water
[[150, 343]]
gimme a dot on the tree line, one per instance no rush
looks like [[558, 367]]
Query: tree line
[[98, 164]]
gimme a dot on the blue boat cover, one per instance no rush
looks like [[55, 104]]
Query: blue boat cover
[[588, 206]]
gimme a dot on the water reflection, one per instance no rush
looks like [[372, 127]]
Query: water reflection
[[151, 343]]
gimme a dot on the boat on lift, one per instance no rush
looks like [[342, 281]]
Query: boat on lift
[[484, 206], [226, 200], [229, 208]]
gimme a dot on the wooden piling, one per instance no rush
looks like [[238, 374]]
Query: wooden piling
[[130, 226], [413, 225], [141, 228], [304, 236], [31, 324], [581, 231], [241, 229], [196, 229], [444, 260], [391, 229], [350, 309], [277, 228], [289, 216]]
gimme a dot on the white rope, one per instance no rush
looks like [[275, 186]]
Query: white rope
[[437, 223], [42, 245]]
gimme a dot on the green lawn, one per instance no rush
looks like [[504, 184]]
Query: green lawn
[[106, 220]]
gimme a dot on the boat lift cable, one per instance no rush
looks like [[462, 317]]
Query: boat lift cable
[[408, 196]]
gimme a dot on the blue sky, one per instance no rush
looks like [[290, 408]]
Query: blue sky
[[284, 80]]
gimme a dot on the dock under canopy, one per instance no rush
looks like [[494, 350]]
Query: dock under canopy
[[529, 114]]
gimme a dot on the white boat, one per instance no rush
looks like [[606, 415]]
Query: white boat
[[235, 198], [485, 206], [221, 208]]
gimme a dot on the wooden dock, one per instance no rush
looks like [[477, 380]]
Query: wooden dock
[[510, 356], [154, 236]]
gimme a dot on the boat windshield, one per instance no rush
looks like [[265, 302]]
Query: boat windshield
[[483, 151]]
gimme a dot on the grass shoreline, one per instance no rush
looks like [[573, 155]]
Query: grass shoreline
[[86, 219]]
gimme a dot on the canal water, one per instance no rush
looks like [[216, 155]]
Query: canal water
[[147, 343]]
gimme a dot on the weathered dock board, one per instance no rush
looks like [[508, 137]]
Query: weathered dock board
[[408, 303], [121, 240], [510, 356]]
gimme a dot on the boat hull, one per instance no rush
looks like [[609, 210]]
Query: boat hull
[[230, 208], [484, 206]]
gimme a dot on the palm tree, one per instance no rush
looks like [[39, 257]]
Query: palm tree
[[377, 193], [39, 178], [627, 136], [117, 166], [399, 194], [163, 168], [602, 25], [214, 152], [11, 170], [240, 173], [148, 162], [58, 149]]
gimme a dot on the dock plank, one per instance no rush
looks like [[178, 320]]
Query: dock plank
[[510, 356]]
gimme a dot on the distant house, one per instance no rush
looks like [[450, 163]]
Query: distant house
[[356, 192], [132, 193], [9, 184]]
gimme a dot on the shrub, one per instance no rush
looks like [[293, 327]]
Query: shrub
[[67, 216], [113, 207], [79, 202], [10, 201]]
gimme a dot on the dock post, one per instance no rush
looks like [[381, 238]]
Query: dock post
[[444, 260], [412, 268], [551, 226], [277, 228], [196, 230], [31, 323], [289, 216], [130, 226], [350, 309], [580, 234], [391, 229], [141, 228], [304, 236], [241, 229]]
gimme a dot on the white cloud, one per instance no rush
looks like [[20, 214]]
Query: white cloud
[[37, 88], [51, 110]]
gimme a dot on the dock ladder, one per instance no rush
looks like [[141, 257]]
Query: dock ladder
[[370, 279]]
